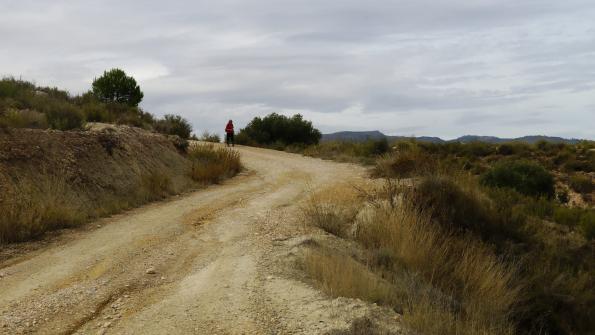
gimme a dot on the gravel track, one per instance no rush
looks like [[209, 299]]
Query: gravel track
[[216, 261]]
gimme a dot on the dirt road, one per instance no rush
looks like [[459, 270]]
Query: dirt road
[[216, 261]]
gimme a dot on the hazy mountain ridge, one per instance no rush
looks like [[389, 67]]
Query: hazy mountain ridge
[[365, 135]]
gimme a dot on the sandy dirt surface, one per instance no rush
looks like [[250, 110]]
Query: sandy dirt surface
[[217, 261]]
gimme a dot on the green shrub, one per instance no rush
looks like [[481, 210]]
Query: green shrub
[[23, 119], [404, 164], [65, 117], [95, 112], [63, 112], [568, 216], [174, 125], [540, 207], [375, 147], [506, 149], [477, 149], [575, 165], [587, 224], [280, 130], [581, 183], [451, 205], [526, 177]]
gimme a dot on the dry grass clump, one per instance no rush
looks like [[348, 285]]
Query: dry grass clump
[[30, 208], [340, 275], [459, 266], [333, 209], [405, 163], [360, 152], [211, 164], [155, 186], [461, 286], [582, 183]]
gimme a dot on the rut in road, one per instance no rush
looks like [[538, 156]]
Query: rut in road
[[210, 262]]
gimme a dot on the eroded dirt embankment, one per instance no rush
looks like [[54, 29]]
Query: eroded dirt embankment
[[104, 158], [53, 179]]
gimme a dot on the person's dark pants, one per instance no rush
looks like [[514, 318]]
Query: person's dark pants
[[229, 139]]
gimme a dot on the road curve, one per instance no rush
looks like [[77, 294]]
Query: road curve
[[208, 262]]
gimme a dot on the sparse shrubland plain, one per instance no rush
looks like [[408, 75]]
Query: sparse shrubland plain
[[463, 238]]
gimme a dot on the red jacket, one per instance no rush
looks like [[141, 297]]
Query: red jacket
[[229, 127]]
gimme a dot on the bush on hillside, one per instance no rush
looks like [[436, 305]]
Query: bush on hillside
[[453, 206], [114, 86], [376, 147], [174, 125], [23, 119], [582, 183], [525, 177], [208, 137], [404, 164], [65, 117], [279, 130]]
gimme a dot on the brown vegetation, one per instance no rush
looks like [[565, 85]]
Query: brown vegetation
[[211, 164], [54, 179], [469, 243], [430, 274]]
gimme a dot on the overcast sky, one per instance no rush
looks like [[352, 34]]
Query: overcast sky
[[417, 67]]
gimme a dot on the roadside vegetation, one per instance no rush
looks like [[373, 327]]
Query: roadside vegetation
[[209, 137], [32, 208], [94, 173], [114, 98], [210, 165], [278, 132], [45, 202], [463, 238]]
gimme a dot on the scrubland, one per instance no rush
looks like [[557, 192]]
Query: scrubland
[[463, 239]]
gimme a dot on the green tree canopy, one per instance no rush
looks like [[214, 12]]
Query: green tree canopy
[[115, 86], [279, 129]]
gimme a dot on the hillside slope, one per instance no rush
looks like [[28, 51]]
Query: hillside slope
[[94, 172]]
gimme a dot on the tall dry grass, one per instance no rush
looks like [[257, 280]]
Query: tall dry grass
[[459, 287], [333, 209], [480, 285], [30, 208], [212, 164], [340, 275]]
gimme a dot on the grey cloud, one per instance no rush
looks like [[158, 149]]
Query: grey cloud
[[477, 65]]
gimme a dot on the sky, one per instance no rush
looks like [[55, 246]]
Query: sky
[[419, 67]]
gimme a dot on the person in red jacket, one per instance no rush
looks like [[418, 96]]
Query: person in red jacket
[[229, 133]]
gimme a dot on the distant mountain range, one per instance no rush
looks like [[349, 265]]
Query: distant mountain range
[[358, 136]]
